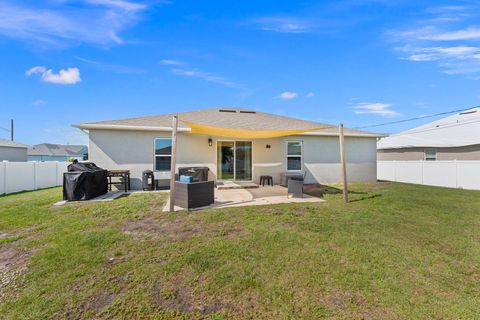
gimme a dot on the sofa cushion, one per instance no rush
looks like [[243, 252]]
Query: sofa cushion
[[186, 179]]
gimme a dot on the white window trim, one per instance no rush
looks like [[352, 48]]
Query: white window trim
[[159, 155], [294, 155], [425, 154]]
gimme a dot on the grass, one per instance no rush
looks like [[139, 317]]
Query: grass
[[397, 251]]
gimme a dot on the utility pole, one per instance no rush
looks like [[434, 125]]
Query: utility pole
[[174, 161], [342, 160], [11, 129]]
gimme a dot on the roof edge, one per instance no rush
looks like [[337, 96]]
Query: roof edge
[[18, 147], [95, 126]]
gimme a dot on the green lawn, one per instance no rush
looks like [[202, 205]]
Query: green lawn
[[397, 251]]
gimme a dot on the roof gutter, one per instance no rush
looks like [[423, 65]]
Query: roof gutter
[[335, 134], [95, 126], [88, 126]]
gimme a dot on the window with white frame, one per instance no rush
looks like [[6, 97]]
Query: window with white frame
[[430, 154], [163, 154], [294, 155]]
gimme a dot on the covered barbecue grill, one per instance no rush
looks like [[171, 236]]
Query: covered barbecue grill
[[84, 181]]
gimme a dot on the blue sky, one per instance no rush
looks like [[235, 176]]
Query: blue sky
[[358, 62]]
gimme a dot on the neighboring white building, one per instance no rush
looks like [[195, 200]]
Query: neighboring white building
[[456, 137], [442, 153], [235, 144], [12, 151]]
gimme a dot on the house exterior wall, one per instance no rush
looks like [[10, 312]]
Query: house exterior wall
[[465, 153], [134, 150], [13, 154]]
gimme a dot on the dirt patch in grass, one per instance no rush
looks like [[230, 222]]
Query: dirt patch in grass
[[228, 231], [343, 302], [179, 229], [151, 228], [178, 296], [92, 306], [13, 263], [99, 301]]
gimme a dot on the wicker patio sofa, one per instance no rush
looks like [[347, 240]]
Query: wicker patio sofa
[[194, 195]]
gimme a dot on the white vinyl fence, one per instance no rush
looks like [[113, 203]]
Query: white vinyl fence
[[23, 176], [452, 174]]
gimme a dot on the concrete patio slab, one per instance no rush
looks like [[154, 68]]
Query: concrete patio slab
[[251, 197], [223, 185], [109, 196]]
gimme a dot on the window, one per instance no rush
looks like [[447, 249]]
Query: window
[[163, 154], [294, 155], [430, 154]]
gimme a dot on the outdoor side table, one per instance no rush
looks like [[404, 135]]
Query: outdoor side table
[[124, 175], [268, 179]]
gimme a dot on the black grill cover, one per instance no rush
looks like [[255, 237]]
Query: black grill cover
[[84, 181], [199, 174]]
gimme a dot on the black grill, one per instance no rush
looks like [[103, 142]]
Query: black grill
[[84, 181]]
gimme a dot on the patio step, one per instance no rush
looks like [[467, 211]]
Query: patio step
[[224, 185]]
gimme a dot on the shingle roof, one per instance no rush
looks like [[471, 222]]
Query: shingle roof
[[50, 149], [11, 144], [221, 117]]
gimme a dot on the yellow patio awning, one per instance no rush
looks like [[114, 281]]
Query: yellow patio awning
[[245, 133]]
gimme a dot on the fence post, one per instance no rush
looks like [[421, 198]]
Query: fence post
[[4, 164], [56, 173], [421, 163], [456, 173], [395, 170], [34, 175]]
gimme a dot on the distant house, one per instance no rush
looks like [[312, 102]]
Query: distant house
[[12, 151], [455, 137], [57, 152]]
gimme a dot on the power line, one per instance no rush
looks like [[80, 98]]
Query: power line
[[8, 130], [412, 119]]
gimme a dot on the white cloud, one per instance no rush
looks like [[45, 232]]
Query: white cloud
[[112, 67], [471, 33], [120, 4], [283, 24], [169, 62], [381, 109], [64, 76], [287, 95], [310, 95], [37, 69], [59, 24], [180, 68], [446, 36], [39, 102], [442, 53], [207, 76]]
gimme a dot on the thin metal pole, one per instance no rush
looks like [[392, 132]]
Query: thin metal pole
[[174, 161], [342, 160], [11, 129]]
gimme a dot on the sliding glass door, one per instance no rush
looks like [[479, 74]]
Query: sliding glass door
[[234, 160], [243, 160], [226, 160]]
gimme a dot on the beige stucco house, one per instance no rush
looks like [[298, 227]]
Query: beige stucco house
[[456, 137], [235, 144]]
